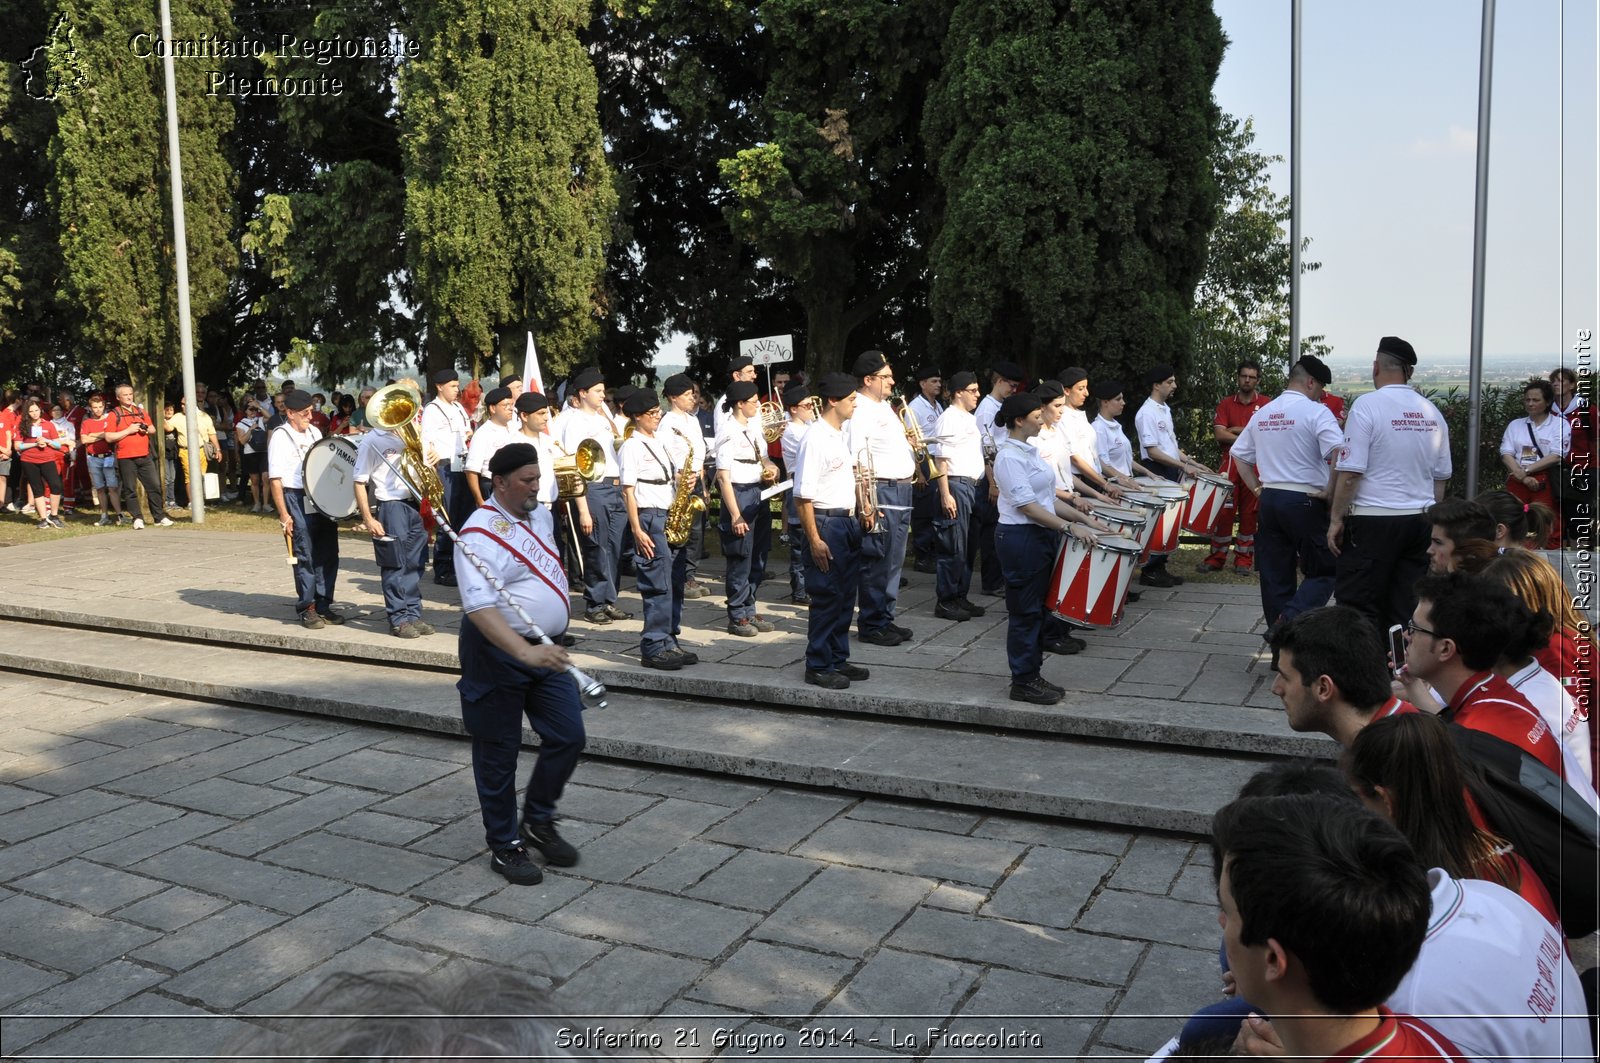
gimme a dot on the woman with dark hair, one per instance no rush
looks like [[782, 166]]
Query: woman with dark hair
[[38, 443], [342, 414], [1031, 521], [1532, 450], [1406, 769], [1517, 523]]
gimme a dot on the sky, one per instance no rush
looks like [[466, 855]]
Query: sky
[[1389, 117]]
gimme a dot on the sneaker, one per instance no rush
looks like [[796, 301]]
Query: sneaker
[[310, 619], [164, 522], [138, 524], [45, 525], [1158, 578], [330, 616], [853, 672], [1035, 692], [558, 852], [800, 599], [121, 520], [27, 507], [827, 680], [617, 614], [694, 590], [974, 610], [11, 507], [104, 522], [514, 864], [422, 629], [903, 632], [887, 636], [743, 629], [1066, 644], [1133, 596], [57, 522], [405, 631], [951, 611], [763, 625], [904, 583], [597, 616], [666, 661], [566, 640]]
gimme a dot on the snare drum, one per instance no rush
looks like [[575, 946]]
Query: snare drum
[[1164, 539], [1208, 494], [1089, 584], [330, 471], [1150, 508], [1128, 523]]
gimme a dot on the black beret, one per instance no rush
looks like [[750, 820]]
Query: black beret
[[744, 361], [1015, 408], [531, 402], [1318, 370], [444, 376], [620, 393], [962, 381], [927, 372], [1071, 375], [1157, 373], [1398, 348], [511, 457], [643, 400], [1008, 371], [1107, 390], [495, 395], [1049, 390], [509, 379], [297, 400], [868, 363], [584, 379], [677, 384], [835, 386], [796, 394], [738, 391]]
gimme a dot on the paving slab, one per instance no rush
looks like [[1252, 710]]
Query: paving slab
[[845, 910]]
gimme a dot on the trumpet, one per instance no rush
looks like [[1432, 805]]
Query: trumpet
[[867, 493], [927, 468]]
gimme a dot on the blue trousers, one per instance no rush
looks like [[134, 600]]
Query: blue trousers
[[661, 582], [602, 549], [760, 518], [832, 594], [1291, 534], [954, 579], [496, 693], [985, 518], [1026, 552], [882, 557], [400, 563], [799, 559], [458, 506], [316, 547], [925, 509], [739, 552]]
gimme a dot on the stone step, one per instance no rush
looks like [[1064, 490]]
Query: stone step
[[1069, 777], [907, 683]]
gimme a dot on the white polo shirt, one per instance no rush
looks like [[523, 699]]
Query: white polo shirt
[[876, 428], [1023, 476], [647, 468], [286, 454], [1400, 444], [988, 431], [739, 449], [548, 492], [383, 484], [789, 443], [1153, 422], [1289, 441], [963, 444], [538, 586], [487, 441], [689, 426], [1080, 437], [1053, 447], [1524, 440], [577, 424], [827, 476], [1111, 446], [927, 414], [1545, 693], [445, 431]]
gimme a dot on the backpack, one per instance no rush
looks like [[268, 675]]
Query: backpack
[[1552, 827], [258, 439]]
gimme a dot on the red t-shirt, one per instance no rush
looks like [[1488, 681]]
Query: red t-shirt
[[134, 444], [1335, 405], [40, 455], [320, 420], [1231, 413], [1400, 1037], [90, 426], [1489, 704]]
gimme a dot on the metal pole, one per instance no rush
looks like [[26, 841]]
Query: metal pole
[[1295, 15], [180, 247], [1480, 232]]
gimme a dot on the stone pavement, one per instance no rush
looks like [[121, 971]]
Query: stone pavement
[[172, 868]]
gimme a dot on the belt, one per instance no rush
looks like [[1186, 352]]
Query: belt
[[403, 501], [890, 480], [654, 483], [833, 512], [961, 479], [1299, 488], [1383, 511]]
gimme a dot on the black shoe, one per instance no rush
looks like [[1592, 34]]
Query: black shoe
[[597, 616], [926, 565], [951, 611], [558, 852], [853, 671], [685, 657], [801, 599], [904, 582], [617, 614], [422, 629], [972, 610], [887, 636], [666, 661], [514, 864], [1035, 692], [1066, 644], [1046, 683], [568, 641], [1158, 578], [1133, 596], [447, 579], [827, 680], [1177, 581], [903, 632], [331, 617]]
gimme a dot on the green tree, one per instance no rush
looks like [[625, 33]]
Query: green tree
[[1073, 144], [111, 186], [509, 200]]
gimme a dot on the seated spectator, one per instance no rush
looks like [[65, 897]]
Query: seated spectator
[[1532, 449], [1324, 910], [1516, 523], [346, 409], [1462, 537], [1330, 673]]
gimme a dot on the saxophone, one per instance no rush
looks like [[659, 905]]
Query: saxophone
[[685, 503]]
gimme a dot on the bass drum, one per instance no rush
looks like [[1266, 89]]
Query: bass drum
[[330, 471]]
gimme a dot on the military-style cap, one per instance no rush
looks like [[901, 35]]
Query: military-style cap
[[297, 400], [1016, 407], [496, 395], [511, 457], [677, 384], [444, 376], [1398, 348], [531, 402], [586, 378], [835, 386], [867, 363], [643, 400]]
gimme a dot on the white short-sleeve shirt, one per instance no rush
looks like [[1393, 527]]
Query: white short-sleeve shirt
[[1525, 440], [486, 442], [1290, 440], [577, 424], [520, 554], [647, 468], [1112, 446], [739, 449], [1400, 444], [1023, 476], [827, 476], [286, 454], [382, 482], [877, 428], [1153, 422], [963, 444], [445, 430]]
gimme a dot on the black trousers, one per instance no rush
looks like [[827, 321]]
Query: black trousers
[[1380, 561], [135, 471]]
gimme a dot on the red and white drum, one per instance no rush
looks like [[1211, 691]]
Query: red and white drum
[[1164, 540], [1150, 508], [1208, 494], [1128, 523], [1089, 584]]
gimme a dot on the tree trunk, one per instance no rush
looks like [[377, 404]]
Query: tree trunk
[[827, 335]]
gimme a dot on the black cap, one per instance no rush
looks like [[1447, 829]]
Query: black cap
[[962, 380], [509, 379], [512, 457], [796, 395], [1157, 373], [1071, 375], [1107, 390], [444, 376], [738, 391], [531, 402], [586, 378], [620, 393], [1318, 370], [868, 363], [1049, 390], [677, 384], [1017, 406], [1008, 371], [744, 361], [927, 372], [495, 395], [297, 400], [835, 386], [643, 400], [1398, 348]]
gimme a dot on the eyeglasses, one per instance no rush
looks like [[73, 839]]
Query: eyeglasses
[[1413, 628]]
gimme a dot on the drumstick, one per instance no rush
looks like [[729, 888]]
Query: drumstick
[[288, 547]]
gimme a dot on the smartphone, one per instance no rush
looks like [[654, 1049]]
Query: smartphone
[[1397, 650]]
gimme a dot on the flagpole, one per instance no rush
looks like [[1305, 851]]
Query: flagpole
[[1480, 233], [1295, 16], [180, 247]]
